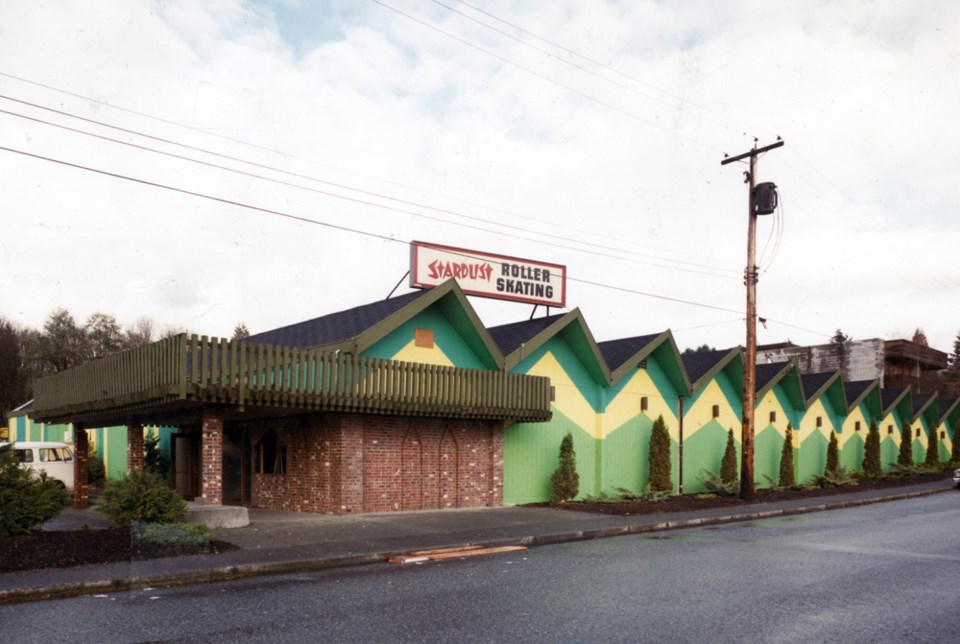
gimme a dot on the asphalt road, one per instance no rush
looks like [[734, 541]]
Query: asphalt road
[[881, 573]]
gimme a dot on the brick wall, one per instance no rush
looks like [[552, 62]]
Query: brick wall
[[353, 463], [135, 460], [211, 459]]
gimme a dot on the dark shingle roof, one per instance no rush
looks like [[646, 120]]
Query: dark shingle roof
[[919, 400], [766, 373], [617, 352], [336, 326], [509, 337], [945, 405], [856, 388], [699, 363], [812, 382], [889, 396]]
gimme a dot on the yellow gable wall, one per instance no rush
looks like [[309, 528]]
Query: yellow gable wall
[[412, 353], [768, 404], [946, 441], [885, 424], [626, 405], [808, 424], [849, 425], [918, 433], [568, 400], [701, 412]]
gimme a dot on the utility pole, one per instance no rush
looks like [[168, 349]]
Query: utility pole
[[750, 358]]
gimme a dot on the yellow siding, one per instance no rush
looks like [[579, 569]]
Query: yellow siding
[[768, 404], [568, 401], [626, 405], [701, 412], [850, 423], [808, 424], [423, 355]]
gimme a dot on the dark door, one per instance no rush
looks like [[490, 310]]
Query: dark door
[[232, 467], [185, 462]]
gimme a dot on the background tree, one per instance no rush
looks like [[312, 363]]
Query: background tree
[[787, 478], [240, 331], [659, 457], [703, 348], [140, 334], [933, 449], [839, 342], [728, 466], [565, 482], [14, 377], [905, 457], [103, 335], [919, 337], [63, 344], [871, 452], [833, 456]]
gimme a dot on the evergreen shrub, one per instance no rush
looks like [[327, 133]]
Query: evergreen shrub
[[659, 457], [565, 482], [142, 496], [871, 452], [27, 498], [905, 456], [933, 449], [728, 466], [833, 456], [787, 477]]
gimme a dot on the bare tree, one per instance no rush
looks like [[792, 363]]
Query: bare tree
[[103, 335], [140, 334]]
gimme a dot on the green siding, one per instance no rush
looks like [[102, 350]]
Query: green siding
[[447, 338], [766, 456], [703, 452], [811, 457], [889, 450], [851, 455], [530, 456], [565, 356]]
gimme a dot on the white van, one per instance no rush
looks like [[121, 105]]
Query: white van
[[54, 458]]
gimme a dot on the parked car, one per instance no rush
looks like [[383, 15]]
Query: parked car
[[52, 457], [956, 477]]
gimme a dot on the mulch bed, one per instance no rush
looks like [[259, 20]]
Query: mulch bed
[[692, 502], [62, 549]]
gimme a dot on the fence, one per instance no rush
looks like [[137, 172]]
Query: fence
[[211, 370]]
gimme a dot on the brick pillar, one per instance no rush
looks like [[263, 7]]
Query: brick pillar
[[134, 447], [211, 459], [496, 464], [81, 447]]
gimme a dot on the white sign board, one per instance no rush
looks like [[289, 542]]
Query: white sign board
[[488, 275]]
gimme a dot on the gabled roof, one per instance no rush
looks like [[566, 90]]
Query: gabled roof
[[335, 327], [625, 354], [22, 410], [521, 339], [890, 398], [826, 383], [769, 375], [947, 407], [359, 328], [703, 366], [857, 390], [926, 405]]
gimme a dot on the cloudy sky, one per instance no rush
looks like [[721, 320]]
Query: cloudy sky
[[206, 163]]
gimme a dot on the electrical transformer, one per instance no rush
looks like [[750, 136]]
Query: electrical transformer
[[765, 198]]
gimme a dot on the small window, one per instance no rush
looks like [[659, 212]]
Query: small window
[[25, 455], [943, 435], [716, 411], [889, 429], [644, 403], [50, 455], [642, 364], [773, 417], [819, 421], [856, 426], [423, 338], [271, 456], [553, 393]]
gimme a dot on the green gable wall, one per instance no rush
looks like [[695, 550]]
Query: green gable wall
[[447, 337]]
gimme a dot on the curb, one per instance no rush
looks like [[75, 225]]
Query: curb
[[243, 571]]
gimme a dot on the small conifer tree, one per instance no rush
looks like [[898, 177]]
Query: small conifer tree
[[871, 451], [728, 466], [833, 456], [565, 482], [955, 452], [659, 457], [905, 457], [933, 449], [787, 478]]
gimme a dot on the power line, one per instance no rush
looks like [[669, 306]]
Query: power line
[[309, 220], [363, 201], [543, 77], [693, 265]]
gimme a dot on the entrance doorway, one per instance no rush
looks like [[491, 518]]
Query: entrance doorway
[[232, 467], [185, 462]]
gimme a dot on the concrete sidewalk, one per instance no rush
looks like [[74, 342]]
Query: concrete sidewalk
[[281, 542]]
